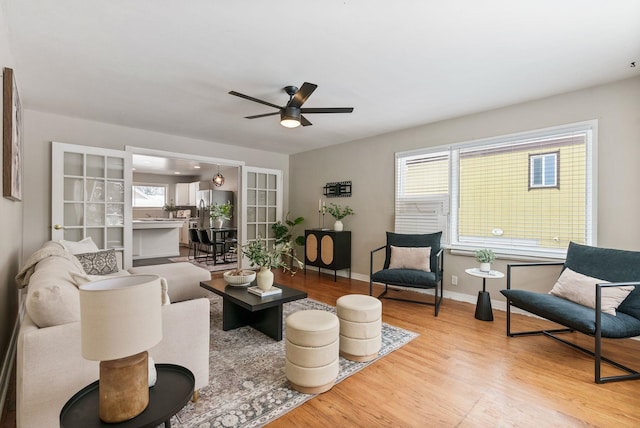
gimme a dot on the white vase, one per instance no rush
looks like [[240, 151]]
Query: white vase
[[217, 223], [264, 278], [170, 214], [338, 226], [485, 267]]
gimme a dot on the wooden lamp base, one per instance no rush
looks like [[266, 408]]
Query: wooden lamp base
[[124, 387]]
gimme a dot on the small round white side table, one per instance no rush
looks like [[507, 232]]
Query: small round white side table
[[483, 306]]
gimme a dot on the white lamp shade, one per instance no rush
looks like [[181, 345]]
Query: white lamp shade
[[120, 316]]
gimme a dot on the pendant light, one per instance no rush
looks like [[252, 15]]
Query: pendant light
[[218, 179]]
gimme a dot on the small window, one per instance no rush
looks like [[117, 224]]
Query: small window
[[149, 196], [543, 170]]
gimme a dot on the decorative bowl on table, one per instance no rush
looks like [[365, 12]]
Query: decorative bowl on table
[[241, 279]]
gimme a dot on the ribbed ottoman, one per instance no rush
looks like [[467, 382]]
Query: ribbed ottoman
[[360, 326], [312, 346]]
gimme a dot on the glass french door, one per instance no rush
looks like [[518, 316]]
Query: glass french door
[[91, 196], [262, 202]]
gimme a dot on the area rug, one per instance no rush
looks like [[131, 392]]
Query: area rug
[[247, 386], [208, 266]]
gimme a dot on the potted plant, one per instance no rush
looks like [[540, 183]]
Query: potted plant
[[283, 233], [485, 257], [170, 208], [267, 259], [219, 213], [338, 212]]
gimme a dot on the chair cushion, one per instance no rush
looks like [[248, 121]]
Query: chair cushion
[[410, 258], [573, 315], [406, 277], [610, 265], [414, 240]]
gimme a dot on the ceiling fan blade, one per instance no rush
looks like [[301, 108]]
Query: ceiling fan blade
[[302, 95], [327, 110], [247, 97], [262, 115], [304, 121]]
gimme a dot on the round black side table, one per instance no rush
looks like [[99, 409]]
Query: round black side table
[[168, 396], [483, 306]]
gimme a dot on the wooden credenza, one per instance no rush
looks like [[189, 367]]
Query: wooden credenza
[[327, 249]]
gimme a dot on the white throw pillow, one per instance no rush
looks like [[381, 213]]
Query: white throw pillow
[[53, 304], [581, 289], [410, 258], [85, 246]]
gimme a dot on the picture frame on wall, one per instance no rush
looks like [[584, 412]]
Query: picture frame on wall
[[12, 138]]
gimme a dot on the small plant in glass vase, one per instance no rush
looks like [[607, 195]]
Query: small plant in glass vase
[[219, 213], [170, 208], [338, 212], [485, 257], [275, 258]]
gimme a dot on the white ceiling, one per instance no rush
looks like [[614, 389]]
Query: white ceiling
[[168, 66]]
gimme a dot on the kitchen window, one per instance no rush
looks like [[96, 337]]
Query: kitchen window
[[148, 196]]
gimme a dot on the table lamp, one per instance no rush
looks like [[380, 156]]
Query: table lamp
[[120, 319]]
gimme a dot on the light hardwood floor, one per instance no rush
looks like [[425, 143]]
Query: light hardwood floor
[[461, 372]]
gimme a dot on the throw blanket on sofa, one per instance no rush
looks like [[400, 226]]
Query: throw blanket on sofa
[[22, 278]]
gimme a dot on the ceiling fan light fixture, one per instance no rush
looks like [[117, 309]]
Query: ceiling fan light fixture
[[290, 117], [218, 179]]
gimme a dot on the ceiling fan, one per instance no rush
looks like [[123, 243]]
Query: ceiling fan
[[291, 114]]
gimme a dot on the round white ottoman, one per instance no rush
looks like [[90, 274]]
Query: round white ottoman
[[360, 326], [312, 347]]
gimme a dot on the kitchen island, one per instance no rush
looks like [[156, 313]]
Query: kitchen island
[[156, 238]]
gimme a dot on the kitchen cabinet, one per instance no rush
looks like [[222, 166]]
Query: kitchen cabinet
[[184, 234], [328, 249], [186, 194]]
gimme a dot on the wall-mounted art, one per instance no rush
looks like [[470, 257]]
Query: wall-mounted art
[[339, 189], [12, 138]]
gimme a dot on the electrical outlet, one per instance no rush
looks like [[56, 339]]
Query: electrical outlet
[[454, 280]]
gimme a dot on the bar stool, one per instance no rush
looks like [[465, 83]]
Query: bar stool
[[194, 243]]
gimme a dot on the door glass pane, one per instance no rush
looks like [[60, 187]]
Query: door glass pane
[[95, 166], [251, 214], [251, 180], [73, 189], [262, 181], [73, 164], [115, 237], [252, 233], [262, 214], [115, 214], [262, 197], [73, 214], [95, 216], [73, 234], [262, 230], [271, 182], [115, 168], [271, 198], [271, 215], [95, 190], [115, 191], [97, 234], [251, 197]]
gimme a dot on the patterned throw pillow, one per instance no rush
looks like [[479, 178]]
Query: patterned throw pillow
[[99, 263]]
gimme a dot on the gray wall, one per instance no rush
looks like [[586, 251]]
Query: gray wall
[[42, 128], [369, 164], [11, 242]]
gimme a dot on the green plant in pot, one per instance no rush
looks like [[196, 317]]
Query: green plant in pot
[[219, 213], [170, 208], [485, 257], [258, 254], [283, 233], [338, 212]]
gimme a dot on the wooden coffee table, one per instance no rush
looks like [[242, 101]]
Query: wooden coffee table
[[240, 308]]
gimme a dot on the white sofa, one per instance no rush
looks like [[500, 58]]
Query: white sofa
[[50, 367]]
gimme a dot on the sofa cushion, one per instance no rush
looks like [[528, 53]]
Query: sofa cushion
[[611, 265], [51, 299], [582, 289], [84, 246], [410, 258], [573, 315], [99, 262]]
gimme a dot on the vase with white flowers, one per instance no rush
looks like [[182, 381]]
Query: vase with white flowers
[[338, 212], [219, 213]]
